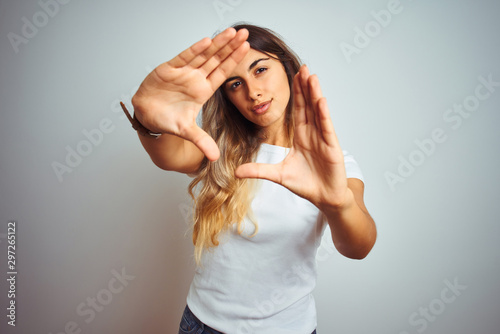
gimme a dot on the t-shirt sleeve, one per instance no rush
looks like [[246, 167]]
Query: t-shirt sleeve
[[351, 167]]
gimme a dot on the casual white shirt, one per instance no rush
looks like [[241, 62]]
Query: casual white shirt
[[263, 284]]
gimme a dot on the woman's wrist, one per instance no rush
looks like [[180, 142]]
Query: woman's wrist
[[141, 129]]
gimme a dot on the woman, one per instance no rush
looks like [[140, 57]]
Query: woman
[[269, 174]]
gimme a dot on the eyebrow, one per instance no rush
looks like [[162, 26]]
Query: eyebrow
[[252, 65]]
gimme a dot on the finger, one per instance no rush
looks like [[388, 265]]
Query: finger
[[186, 56], [304, 79], [314, 95], [224, 51], [325, 122], [218, 42], [259, 171], [203, 141], [314, 89], [299, 103], [321, 111], [222, 72]]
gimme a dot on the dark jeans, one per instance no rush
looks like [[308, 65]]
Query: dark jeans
[[191, 325]]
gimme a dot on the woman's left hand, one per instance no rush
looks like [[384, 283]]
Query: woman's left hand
[[314, 168]]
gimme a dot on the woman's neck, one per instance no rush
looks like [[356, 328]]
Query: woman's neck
[[277, 138]]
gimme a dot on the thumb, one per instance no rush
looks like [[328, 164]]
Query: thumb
[[203, 141], [259, 171]]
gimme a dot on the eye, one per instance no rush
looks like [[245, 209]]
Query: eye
[[234, 85], [260, 70]]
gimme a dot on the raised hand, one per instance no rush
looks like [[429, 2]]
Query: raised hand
[[314, 168], [171, 96]]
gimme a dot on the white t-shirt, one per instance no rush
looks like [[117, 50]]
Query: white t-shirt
[[263, 284]]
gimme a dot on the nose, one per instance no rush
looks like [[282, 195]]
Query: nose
[[254, 90]]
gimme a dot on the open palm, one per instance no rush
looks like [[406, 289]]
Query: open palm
[[314, 168], [170, 97]]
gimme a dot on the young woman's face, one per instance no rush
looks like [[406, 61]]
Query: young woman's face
[[258, 88]]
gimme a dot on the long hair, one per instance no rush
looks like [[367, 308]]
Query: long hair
[[223, 199]]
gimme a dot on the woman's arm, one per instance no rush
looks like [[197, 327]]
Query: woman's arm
[[172, 153], [171, 96], [353, 229]]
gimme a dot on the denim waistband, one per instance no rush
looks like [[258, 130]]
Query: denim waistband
[[205, 328]]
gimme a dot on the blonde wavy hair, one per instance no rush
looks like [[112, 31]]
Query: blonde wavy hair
[[222, 199]]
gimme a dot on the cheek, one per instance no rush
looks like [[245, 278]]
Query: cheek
[[285, 87], [234, 102], [238, 102]]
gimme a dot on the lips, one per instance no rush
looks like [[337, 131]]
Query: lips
[[262, 107]]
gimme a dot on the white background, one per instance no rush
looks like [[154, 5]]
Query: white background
[[115, 211]]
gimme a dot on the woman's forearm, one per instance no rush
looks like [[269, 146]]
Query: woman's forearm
[[353, 229], [170, 152]]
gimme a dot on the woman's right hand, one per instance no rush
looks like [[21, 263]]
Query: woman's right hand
[[171, 96]]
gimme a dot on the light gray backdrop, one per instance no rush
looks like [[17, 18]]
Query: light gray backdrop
[[102, 241]]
